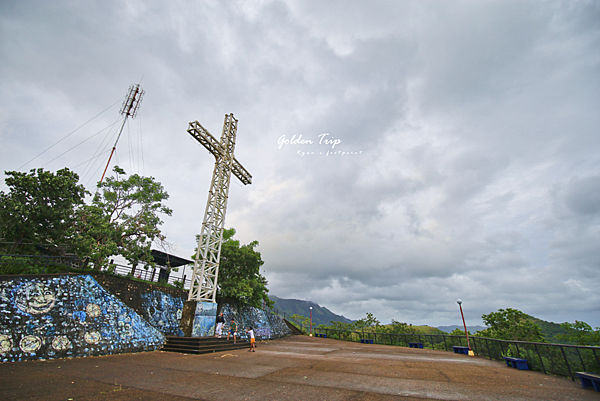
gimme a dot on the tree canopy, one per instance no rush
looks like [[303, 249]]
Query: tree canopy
[[580, 333], [123, 219], [366, 322], [511, 324], [43, 209], [39, 209], [239, 278], [458, 332]]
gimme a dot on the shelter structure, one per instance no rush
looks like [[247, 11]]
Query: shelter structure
[[167, 261]]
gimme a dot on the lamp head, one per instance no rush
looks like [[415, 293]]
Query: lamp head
[[458, 301]]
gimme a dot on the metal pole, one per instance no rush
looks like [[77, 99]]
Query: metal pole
[[459, 302], [129, 108], [540, 357], [311, 321]]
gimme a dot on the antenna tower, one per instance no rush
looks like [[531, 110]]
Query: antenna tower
[[130, 108]]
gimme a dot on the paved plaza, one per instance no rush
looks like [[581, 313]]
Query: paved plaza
[[293, 368]]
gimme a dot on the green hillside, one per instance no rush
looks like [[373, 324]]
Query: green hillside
[[320, 315], [428, 330], [549, 330]]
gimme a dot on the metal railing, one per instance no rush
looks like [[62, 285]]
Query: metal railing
[[289, 318], [150, 274], [558, 359], [43, 264]]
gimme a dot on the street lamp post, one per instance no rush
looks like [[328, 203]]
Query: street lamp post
[[310, 321], [459, 302]]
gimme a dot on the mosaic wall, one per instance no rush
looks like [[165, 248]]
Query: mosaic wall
[[266, 325], [162, 311], [160, 306], [68, 316], [204, 319]]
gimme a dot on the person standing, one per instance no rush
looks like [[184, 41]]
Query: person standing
[[250, 332], [220, 323], [232, 330]]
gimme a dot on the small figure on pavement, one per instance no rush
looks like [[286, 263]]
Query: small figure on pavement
[[250, 332], [220, 323], [232, 330]]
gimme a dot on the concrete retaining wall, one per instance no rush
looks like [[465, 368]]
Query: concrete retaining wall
[[44, 317], [66, 316], [160, 306]]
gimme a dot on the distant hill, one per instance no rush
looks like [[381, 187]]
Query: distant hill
[[549, 329], [320, 315], [428, 330], [471, 329]]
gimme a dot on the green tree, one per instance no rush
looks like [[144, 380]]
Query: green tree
[[397, 328], [341, 325], [458, 332], [239, 279], [511, 324], [301, 320], [369, 321], [123, 219], [39, 210], [580, 333]]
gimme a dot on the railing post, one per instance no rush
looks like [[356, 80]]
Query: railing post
[[539, 356], [567, 362], [581, 360], [596, 357]]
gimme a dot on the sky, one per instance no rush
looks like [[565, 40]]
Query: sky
[[404, 154]]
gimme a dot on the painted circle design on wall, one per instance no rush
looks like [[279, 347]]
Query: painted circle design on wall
[[35, 298], [61, 343], [30, 344], [6, 344], [92, 337], [93, 310]]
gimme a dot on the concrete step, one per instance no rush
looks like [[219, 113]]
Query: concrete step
[[201, 345]]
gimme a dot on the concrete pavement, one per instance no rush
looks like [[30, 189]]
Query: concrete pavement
[[293, 368]]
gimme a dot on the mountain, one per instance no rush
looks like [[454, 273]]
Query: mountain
[[320, 315], [550, 330], [471, 329]]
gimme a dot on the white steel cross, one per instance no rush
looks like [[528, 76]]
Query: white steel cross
[[206, 266]]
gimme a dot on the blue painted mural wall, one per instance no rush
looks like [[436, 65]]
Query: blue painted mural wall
[[67, 316], [204, 319], [266, 325], [162, 311]]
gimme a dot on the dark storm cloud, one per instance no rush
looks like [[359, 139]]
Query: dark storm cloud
[[474, 123]]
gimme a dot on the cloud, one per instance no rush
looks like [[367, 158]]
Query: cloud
[[468, 165]]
